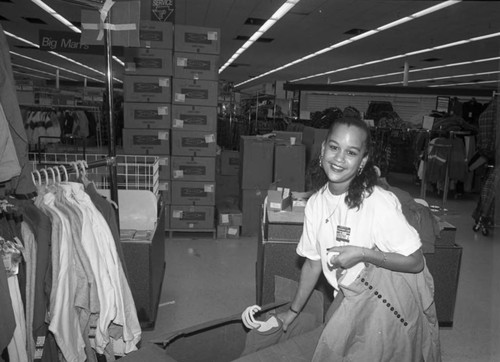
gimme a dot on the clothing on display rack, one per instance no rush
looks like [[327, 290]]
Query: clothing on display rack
[[68, 251]]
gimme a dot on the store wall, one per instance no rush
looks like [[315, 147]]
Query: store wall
[[410, 108]]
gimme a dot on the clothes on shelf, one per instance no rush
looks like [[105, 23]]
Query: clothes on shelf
[[66, 275]]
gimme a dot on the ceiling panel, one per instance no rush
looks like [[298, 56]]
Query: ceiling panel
[[310, 26]]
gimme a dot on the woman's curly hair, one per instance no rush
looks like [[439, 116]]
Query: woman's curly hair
[[363, 183]]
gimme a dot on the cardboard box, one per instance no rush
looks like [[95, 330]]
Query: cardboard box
[[195, 92], [229, 162], [193, 143], [194, 118], [155, 34], [290, 166], [196, 39], [257, 157], [148, 61], [146, 141], [251, 206], [196, 66], [279, 198], [229, 216], [193, 192], [228, 189], [164, 170], [312, 138], [167, 216], [164, 186], [124, 13], [193, 168], [147, 88], [291, 138], [191, 217], [228, 232], [147, 115]]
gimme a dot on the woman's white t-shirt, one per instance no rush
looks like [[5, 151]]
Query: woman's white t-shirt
[[379, 222]]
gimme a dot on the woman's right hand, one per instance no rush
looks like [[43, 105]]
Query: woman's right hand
[[287, 318]]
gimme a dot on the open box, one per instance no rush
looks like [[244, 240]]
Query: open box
[[142, 229]]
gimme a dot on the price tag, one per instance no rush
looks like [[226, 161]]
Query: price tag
[[212, 35], [182, 62], [224, 218], [179, 97], [163, 110], [178, 173], [209, 188], [178, 123], [177, 214], [164, 82], [163, 135], [210, 138]]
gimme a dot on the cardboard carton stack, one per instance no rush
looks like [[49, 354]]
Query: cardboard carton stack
[[268, 164], [229, 216], [194, 125], [147, 92]]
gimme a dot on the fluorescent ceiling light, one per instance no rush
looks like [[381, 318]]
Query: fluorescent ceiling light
[[467, 83], [415, 71], [456, 43], [55, 66], [444, 77], [405, 19], [285, 8], [118, 60], [41, 71], [56, 15], [30, 75]]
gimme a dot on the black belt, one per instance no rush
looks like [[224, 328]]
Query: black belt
[[25, 196]]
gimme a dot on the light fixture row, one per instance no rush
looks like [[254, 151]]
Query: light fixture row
[[353, 39]]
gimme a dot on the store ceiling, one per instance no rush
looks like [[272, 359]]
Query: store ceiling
[[310, 26]]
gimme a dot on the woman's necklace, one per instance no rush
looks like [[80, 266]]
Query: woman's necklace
[[335, 209]]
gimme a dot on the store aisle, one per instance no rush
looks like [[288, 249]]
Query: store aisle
[[207, 279]]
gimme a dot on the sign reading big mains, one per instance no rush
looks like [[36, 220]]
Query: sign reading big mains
[[69, 42]]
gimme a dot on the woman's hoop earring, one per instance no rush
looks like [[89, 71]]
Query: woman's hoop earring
[[360, 170], [320, 160]]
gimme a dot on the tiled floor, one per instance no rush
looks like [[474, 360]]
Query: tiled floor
[[207, 279]]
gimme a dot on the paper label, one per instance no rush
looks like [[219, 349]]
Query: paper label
[[209, 188], [178, 123], [224, 218], [164, 82], [163, 186], [212, 35], [163, 135], [232, 231], [177, 214], [179, 97], [163, 161], [178, 173], [163, 111], [191, 226], [275, 205], [210, 138], [182, 62]]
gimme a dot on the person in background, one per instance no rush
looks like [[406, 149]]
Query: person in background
[[357, 236]]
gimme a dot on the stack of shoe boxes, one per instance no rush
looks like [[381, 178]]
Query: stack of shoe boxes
[[194, 125], [148, 98]]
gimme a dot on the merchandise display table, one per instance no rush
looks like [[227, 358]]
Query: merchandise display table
[[276, 256]]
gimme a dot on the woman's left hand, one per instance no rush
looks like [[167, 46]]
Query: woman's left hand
[[344, 257]]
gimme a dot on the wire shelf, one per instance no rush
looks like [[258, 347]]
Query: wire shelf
[[133, 172]]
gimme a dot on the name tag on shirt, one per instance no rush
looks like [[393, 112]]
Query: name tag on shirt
[[343, 233]]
